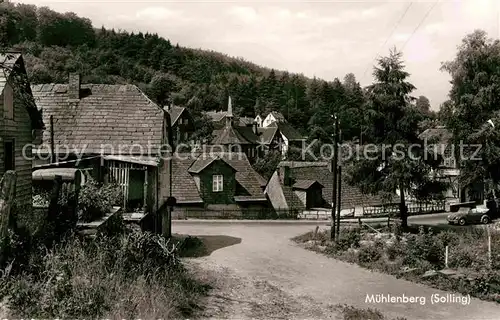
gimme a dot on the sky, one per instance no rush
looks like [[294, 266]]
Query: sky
[[325, 39]]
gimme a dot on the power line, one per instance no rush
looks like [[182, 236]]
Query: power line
[[396, 25], [420, 24]]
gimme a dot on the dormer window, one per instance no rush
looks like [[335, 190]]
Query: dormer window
[[217, 181], [8, 102]]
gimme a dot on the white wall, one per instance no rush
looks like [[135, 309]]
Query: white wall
[[268, 120]]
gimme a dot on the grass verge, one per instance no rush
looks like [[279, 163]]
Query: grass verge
[[131, 275], [420, 256]]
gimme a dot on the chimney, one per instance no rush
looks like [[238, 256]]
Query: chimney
[[229, 115], [285, 175], [74, 86]]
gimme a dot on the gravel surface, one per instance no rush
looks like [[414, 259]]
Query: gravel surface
[[268, 276]]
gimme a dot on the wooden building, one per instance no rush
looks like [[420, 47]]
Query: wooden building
[[20, 124], [114, 130]]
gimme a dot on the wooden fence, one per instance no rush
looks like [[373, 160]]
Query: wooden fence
[[414, 208]]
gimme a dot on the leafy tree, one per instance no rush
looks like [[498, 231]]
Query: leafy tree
[[387, 162], [474, 99], [267, 164], [423, 104], [160, 89], [350, 82]]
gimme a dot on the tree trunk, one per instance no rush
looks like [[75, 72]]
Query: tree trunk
[[7, 191], [403, 209]]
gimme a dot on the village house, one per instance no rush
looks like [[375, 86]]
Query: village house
[[439, 142], [182, 124], [218, 119], [20, 126], [214, 184], [116, 131], [306, 187], [256, 141]]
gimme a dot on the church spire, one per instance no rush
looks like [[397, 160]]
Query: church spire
[[229, 115]]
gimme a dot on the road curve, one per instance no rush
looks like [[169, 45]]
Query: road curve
[[266, 254]]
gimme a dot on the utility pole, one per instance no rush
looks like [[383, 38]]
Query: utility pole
[[334, 178], [339, 199]]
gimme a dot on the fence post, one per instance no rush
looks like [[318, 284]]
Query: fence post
[[7, 197], [359, 221], [446, 258], [489, 247]]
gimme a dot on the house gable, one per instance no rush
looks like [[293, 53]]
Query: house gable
[[17, 126], [108, 119], [216, 167]]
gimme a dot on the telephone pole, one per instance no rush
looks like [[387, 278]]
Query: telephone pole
[[339, 199], [334, 178]]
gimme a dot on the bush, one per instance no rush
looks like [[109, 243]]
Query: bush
[[424, 246], [94, 200], [349, 238], [369, 254], [134, 275]]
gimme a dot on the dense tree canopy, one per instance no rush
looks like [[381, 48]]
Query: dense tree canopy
[[55, 44], [475, 99], [386, 161]]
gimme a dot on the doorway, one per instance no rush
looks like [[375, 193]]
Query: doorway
[[136, 196]]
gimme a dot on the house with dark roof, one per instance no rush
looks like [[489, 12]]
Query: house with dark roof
[[114, 129], [438, 141], [253, 140], [302, 186], [219, 119], [182, 124], [216, 183], [20, 126], [272, 117]]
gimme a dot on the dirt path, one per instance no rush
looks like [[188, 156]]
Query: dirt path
[[267, 275], [235, 296]]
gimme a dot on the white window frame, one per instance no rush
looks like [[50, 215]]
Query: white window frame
[[8, 102], [217, 183]]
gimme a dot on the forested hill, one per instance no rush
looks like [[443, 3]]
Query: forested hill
[[55, 44]]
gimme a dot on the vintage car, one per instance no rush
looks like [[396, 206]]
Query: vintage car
[[470, 216]]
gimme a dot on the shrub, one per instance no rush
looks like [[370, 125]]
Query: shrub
[[134, 275], [369, 254], [424, 246], [94, 200], [349, 238]]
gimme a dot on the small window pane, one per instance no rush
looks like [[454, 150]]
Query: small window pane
[[217, 183]]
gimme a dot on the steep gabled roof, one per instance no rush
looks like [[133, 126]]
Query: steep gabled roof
[[216, 115], [306, 184], [184, 186], [266, 135], [201, 163], [114, 115], [175, 113], [289, 132], [230, 135], [278, 116], [308, 173], [14, 63]]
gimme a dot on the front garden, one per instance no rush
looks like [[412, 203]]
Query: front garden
[[420, 256]]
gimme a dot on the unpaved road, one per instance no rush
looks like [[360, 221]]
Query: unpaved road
[[268, 276]]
